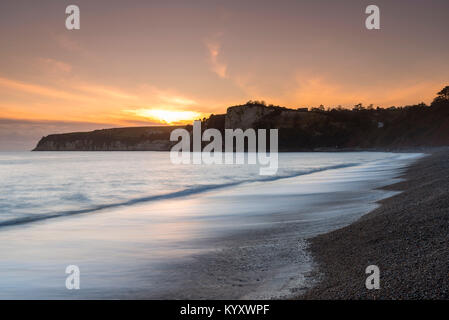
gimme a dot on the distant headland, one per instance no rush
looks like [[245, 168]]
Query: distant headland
[[315, 129]]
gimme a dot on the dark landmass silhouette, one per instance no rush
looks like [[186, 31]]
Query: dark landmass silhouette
[[317, 129]]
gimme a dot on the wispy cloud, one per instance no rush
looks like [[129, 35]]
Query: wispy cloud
[[55, 65], [106, 91], [70, 45], [217, 66], [92, 97], [168, 98], [315, 90], [73, 90], [163, 106], [165, 116], [20, 134], [37, 89], [177, 100]]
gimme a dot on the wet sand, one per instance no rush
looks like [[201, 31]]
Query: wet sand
[[407, 237]]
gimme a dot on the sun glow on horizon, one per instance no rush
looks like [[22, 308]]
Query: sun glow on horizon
[[167, 116]]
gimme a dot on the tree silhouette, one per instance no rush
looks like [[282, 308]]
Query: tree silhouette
[[443, 96], [444, 93]]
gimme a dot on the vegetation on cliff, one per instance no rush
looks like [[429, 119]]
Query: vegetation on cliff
[[299, 129], [362, 127]]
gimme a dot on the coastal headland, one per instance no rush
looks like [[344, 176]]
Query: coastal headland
[[302, 129]]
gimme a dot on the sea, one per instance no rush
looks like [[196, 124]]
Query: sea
[[137, 226]]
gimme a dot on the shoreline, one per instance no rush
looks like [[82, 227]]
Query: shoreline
[[273, 262], [251, 246], [406, 237], [405, 149]]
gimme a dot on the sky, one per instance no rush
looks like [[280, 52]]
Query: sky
[[135, 63]]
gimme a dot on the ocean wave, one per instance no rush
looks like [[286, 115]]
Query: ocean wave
[[177, 194]]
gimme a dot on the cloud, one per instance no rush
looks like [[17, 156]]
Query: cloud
[[22, 134], [164, 106], [217, 66], [164, 98], [37, 89], [316, 90], [178, 100], [106, 91], [97, 101], [91, 92], [70, 45], [165, 116], [55, 65]]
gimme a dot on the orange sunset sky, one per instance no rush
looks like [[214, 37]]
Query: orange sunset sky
[[137, 63]]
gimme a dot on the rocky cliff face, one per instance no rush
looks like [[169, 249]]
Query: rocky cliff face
[[245, 117], [47, 144], [299, 130], [119, 139], [260, 116]]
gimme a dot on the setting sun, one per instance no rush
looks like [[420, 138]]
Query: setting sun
[[167, 116]]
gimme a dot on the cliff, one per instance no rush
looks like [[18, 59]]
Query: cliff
[[360, 128], [299, 130], [117, 139]]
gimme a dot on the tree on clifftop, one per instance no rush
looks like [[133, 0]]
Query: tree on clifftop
[[443, 96]]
